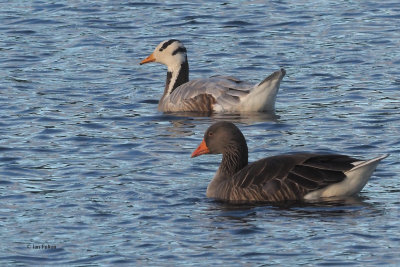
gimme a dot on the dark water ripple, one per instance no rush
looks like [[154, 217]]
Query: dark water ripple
[[91, 173]]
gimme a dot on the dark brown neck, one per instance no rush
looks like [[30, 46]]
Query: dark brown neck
[[234, 159]]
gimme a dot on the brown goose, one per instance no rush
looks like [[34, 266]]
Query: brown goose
[[279, 178], [215, 94]]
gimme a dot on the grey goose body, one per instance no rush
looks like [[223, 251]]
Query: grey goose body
[[215, 94], [304, 176]]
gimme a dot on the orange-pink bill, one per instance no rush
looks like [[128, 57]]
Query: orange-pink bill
[[201, 149]]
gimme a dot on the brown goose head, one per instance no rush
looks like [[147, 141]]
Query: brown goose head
[[226, 139]]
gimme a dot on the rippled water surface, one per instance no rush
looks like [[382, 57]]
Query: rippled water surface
[[92, 174]]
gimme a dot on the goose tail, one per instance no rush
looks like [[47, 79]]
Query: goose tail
[[262, 97], [358, 176]]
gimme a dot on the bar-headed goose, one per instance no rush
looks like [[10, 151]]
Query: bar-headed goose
[[279, 178], [215, 94]]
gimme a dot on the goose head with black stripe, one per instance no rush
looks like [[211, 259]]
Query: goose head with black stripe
[[214, 94], [171, 53], [302, 176]]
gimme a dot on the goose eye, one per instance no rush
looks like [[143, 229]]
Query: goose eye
[[210, 134]]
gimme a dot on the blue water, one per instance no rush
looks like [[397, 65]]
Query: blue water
[[92, 174]]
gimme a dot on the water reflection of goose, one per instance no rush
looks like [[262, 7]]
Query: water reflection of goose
[[215, 94]]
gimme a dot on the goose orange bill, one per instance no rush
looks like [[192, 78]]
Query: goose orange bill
[[148, 59], [201, 149]]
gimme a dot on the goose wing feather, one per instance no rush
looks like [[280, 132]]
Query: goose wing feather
[[223, 90], [292, 176]]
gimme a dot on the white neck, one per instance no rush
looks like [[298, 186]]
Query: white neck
[[177, 75], [174, 70]]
